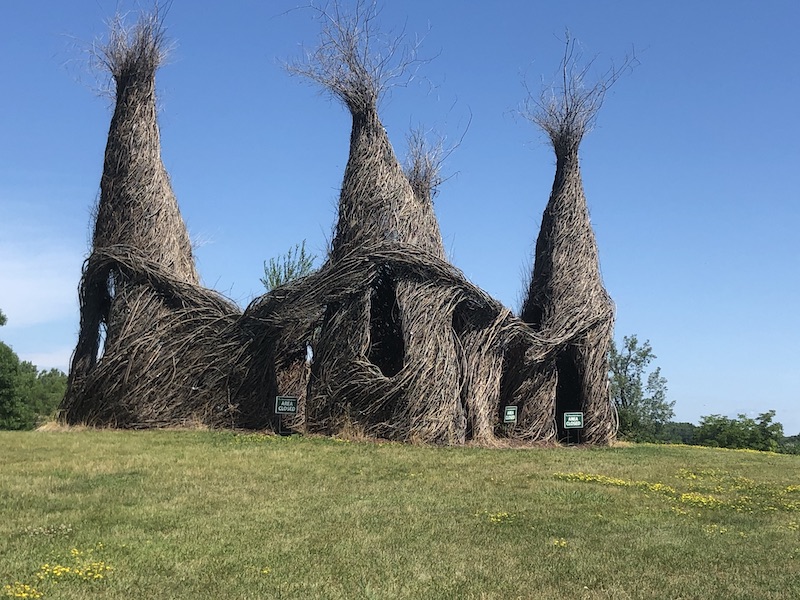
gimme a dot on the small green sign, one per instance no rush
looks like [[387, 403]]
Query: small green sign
[[510, 414], [573, 420], [285, 405]]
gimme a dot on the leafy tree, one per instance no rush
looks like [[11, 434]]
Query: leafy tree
[[790, 445], [26, 395], [743, 432], [14, 412], [41, 391], [642, 405], [294, 264], [677, 433]]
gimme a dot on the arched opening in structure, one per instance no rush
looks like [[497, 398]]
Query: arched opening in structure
[[568, 395], [386, 346], [470, 317]]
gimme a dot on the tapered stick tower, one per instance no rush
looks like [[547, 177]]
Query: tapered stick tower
[[566, 300]]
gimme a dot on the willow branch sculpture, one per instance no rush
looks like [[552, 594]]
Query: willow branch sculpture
[[403, 346]]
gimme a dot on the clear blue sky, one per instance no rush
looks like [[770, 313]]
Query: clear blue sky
[[692, 174]]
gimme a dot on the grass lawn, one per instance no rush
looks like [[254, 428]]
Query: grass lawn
[[204, 514]]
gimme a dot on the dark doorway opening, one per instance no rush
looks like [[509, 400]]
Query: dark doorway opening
[[568, 395], [386, 347]]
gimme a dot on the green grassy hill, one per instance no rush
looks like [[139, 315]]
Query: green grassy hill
[[201, 514]]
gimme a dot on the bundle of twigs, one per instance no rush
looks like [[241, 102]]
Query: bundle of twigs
[[180, 354]]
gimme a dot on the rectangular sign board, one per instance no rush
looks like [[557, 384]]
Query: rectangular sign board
[[510, 414], [285, 405], [573, 420]]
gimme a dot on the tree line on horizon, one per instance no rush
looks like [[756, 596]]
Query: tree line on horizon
[[645, 413]]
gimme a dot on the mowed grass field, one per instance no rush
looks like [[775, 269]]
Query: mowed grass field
[[204, 514]]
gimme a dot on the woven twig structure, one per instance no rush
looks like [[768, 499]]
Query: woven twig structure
[[411, 351], [566, 299], [154, 348], [364, 378], [403, 346]]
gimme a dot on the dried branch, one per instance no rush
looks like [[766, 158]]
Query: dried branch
[[566, 109], [427, 151], [423, 164], [133, 51], [354, 61]]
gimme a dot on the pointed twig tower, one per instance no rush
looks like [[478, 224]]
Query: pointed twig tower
[[154, 348], [566, 300], [137, 207], [396, 337]]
